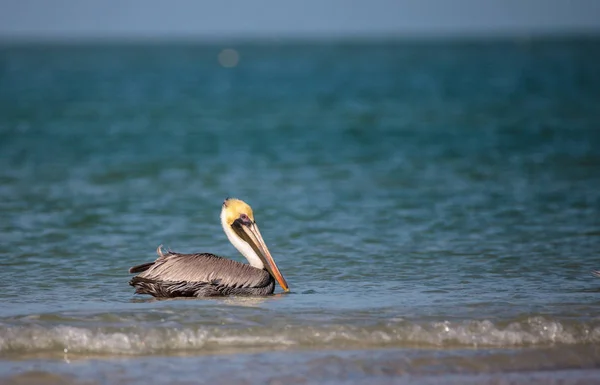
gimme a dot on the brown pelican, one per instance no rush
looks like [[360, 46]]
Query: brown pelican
[[205, 275]]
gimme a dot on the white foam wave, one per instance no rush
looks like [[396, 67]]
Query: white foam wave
[[139, 341]]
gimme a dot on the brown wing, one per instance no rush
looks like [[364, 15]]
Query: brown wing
[[209, 268]]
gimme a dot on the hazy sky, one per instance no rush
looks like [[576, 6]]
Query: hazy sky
[[278, 18]]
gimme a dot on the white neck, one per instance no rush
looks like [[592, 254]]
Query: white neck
[[242, 246]]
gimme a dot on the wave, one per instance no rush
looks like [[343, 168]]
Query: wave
[[147, 340]]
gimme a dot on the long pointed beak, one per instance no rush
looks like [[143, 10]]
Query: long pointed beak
[[258, 244]]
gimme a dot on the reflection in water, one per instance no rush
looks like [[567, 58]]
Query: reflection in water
[[252, 301], [230, 300]]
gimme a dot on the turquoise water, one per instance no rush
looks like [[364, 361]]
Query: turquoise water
[[434, 207]]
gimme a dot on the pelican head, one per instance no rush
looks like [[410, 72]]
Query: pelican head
[[238, 223]]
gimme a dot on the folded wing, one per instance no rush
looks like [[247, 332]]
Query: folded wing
[[175, 274]]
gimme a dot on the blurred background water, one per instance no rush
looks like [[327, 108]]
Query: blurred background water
[[433, 206]]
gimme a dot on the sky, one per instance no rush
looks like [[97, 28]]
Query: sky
[[108, 19]]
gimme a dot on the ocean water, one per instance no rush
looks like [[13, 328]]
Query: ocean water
[[434, 206]]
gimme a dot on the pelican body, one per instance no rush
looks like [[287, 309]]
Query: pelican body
[[206, 275]]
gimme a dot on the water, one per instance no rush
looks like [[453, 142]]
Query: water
[[435, 208]]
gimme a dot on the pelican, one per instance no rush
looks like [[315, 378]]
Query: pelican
[[596, 273], [206, 275]]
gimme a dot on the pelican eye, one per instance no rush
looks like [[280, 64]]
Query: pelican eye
[[245, 219]]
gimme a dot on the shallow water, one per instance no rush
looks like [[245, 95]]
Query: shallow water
[[433, 206]]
